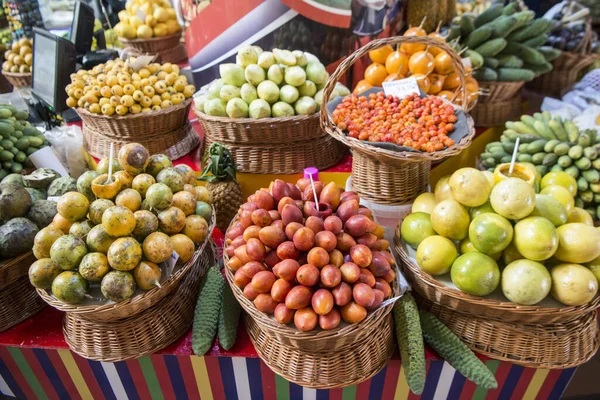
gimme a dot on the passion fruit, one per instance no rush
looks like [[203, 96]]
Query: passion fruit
[[172, 178], [188, 174], [469, 187], [117, 286], [147, 275], [196, 228], [203, 194], [44, 240], [573, 284], [42, 273], [490, 233], [93, 267], [159, 196], [98, 240], [536, 238], [97, 208], [102, 167], [560, 178], [84, 184], [145, 224], [133, 158], [157, 247], [125, 178], [118, 221], [204, 210], [526, 282], [580, 215], [104, 189], [415, 228], [183, 246], [142, 182], [562, 195], [548, 207], [436, 254], [81, 228], [61, 223], [185, 201], [443, 191], [171, 221], [129, 198], [450, 219], [475, 273], [124, 254], [513, 198], [69, 287], [156, 163], [73, 206], [577, 243], [425, 202], [68, 251]]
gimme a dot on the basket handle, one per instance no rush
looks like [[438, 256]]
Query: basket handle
[[375, 44]]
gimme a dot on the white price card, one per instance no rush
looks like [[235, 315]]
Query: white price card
[[140, 62], [45, 158], [53, 198], [466, 62], [401, 88], [141, 15], [171, 261]]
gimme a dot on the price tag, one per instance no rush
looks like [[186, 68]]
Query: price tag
[[53, 198], [141, 15], [141, 62], [466, 62], [45, 158], [401, 88], [171, 261]]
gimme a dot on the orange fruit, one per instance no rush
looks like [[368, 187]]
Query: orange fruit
[[447, 95], [421, 62], [472, 84], [396, 62], [394, 77], [411, 48], [452, 81], [423, 82], [443, 63], [436, 50], [379, 55], [375, 74], [437, 81], [362, 86]]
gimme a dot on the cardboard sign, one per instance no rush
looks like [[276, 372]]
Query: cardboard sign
[[401, 88]]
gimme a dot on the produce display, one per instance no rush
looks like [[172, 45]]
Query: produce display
[[504, 44], [144, 19], [263, 84], [115, 88], [5, 39], [475, 6], [315, 267], [569, 33], [432, 68], [430, 13], [117, 232], [18, 139], [420, 123], [19, 57], [476, 220], [553, 144], [23, 16]]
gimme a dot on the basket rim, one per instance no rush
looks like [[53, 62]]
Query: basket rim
[[17, 74], [255, 121], [85, 113], [505, 306], [152, 39], [269, 323], [147, 295], [9, 262]]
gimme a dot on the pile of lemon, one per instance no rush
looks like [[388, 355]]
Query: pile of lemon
[[115, 88], [19, 57], [144, 19]]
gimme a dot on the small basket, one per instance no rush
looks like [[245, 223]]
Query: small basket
[[136, 304], [499, 91], [144, 333], [502, 311], [548, 346], [167, 48], [497, 112], [564, 74], [18, 299], [17, 79], [385, 176], [322, 359]]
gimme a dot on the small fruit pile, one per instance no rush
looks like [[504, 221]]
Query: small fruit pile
[[432, 68], [5, 38], [144, 19], [475, 6], [420, 123], [475, 220], [307, 265], [505, 45], [19, 57], [263, 84], [117, 232], [116, 88], [24, 209], [18, 139], [570, 30], [553, 144]]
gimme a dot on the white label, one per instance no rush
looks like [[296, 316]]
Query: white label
[[45, 158], [141, 15], [53, 198], [466, 62], [401, 88], [171, 261], [141, 62]]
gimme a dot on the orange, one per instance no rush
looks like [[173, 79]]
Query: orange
[[394, 77], [443, 63], [410, 48], [375, 74], [379, 55], [452, 81], [362, 86], [447, 95], [396, 62], [437, 81], [423, 82], [472, 84], [421, 62], [436, 50]]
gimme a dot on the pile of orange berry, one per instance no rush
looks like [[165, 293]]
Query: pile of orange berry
[[420, 123]]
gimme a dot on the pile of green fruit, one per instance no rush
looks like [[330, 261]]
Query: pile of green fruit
[[118, 232], [504, 44], [18, 139], [552, 144]]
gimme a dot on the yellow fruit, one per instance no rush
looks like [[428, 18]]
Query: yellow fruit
[[425, 202], [172, 26], [421, 62], [442, 189], [490, 233], [577, 243], [490, 177], [470, 187], [161, 14], [593, 266], [160, 30], [450, 219], [561, 194], [436, 254], [536, 238], [415, 228], [183, 246], [150, 21], [580, 215], [123, 16], [526, 282], [127, 31], [513, 198], [144, 32], [573, 284], [521, 170], [135, 22], [379, 55], [72, 206], [560, 178]]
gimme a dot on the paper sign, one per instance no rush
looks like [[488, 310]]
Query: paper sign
[[141, 62], [45, 158], [141, 15], [401, 88], [466, 62], [171, 261]]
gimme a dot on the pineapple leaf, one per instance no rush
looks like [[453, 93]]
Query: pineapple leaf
[[219, 162]]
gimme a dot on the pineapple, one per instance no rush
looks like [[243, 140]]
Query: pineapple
[[225, 190]]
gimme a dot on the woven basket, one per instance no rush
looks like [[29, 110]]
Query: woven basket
[[549, 346], [144, 333], [175, 144], [497, 112], [17, 79], [499, 91], [18, 299], [167, 48], [340, 357], [501, 311], [134, 305], [385, 176], [285, 158], [564, 74], [5, 86]]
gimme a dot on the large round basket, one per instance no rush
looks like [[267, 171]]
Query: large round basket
[[340, 357], [17, 79], [386, 176], [137, 304], [166, 48], [496, 113], [164, 131], [501, 311], [18, 299], [550, 346], [144, 333], [284, 145]]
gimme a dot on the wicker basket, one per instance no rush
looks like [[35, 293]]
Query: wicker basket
[[549, 346], [136, 304], [167, 48], [144, 333], [499, 91], [340, 357], [17, 79], [502, 311], [385, 176], [497, 112], [18, 299]]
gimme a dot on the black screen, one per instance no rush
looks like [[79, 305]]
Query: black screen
[[82, 28]]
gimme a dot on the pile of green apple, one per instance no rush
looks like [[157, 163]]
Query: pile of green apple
[[263, 84]]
